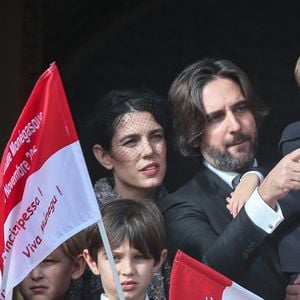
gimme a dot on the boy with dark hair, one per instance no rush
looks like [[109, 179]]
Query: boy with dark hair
[[136, 235]]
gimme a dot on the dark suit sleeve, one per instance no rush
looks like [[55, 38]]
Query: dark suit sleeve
[[290, 205], [289, 243], [200, 226]]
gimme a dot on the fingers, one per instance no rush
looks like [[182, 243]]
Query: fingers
[[297, 280], [229, 208], [234, 205], [284, 177], [293, 292], [235, 208], [295, 155], [289, 175], [239, 207], [229, 204]]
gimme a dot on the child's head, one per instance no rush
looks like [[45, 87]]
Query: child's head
[[51, 279], [127, 125], [136, 235]]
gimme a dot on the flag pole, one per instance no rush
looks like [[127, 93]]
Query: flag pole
[[110, 259]]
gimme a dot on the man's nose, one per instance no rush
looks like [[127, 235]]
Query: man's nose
[[233, 123]]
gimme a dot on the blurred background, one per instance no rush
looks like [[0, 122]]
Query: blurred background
[[102, 44]]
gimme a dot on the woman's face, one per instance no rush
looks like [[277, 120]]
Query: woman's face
[[138, 153]]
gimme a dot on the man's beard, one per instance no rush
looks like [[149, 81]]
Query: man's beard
[[224, 161]]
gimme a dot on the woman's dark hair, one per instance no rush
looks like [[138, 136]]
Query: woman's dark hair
[[109, 109], [138, 221], [185, 95]]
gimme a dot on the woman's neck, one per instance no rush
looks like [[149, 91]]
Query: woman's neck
[[135, 194]]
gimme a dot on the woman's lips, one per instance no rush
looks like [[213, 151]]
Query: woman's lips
[[150, 169]]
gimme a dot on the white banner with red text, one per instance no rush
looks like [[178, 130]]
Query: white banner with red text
[[46, 195]]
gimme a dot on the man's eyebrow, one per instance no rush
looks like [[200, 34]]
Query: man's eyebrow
[[241, 102], [214, 113], [221, 111]]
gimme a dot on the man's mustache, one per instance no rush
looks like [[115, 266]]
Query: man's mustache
[[238, 138]]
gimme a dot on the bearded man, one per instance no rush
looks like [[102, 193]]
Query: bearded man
[[216, 114]]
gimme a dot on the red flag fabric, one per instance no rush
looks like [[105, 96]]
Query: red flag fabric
[[46, 195], [191, 279]]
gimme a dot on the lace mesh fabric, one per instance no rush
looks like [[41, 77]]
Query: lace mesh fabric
[[137, 134], [130, 130], [125, 110]]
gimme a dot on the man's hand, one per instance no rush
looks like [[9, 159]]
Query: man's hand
[[293, 290], [284, 177]]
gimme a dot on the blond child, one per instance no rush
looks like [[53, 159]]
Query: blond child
[[51, 279]]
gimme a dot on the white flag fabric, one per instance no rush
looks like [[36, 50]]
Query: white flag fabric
[[191, 279], [46, 195]]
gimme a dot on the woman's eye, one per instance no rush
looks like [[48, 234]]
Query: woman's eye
[[129, 143], [157, 137]]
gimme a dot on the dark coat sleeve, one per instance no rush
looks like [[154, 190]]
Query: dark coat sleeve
[[290, 205], [289, 243], [198, 223]]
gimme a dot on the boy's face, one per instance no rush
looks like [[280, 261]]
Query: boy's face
[[51, 279], [134, 270]]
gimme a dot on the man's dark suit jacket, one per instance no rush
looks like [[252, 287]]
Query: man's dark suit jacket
[[289, 245], [198, 223]]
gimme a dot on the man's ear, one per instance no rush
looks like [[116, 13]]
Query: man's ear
[[196, 143], [78, 267], [103, 157], [91, 263], [163, 257]]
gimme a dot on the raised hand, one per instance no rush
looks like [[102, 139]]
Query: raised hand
[[284, 177]]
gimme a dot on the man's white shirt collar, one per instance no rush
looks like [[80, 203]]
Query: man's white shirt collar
[[226, 176]]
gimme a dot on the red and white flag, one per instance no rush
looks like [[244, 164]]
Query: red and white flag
[[191, 279], [46, 195]]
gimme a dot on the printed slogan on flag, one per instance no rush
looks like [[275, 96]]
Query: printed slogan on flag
[[45, 191]]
